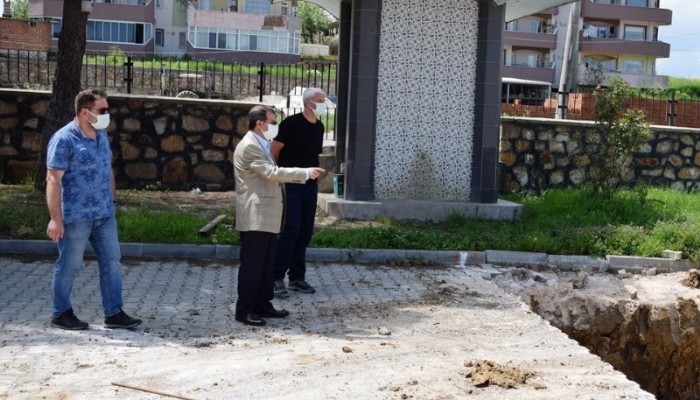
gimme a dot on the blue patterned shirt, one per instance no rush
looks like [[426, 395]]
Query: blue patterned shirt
[[86, 187]]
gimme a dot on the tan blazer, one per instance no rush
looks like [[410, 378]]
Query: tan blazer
[[259, 199]]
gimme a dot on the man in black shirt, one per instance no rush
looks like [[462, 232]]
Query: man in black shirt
[[298, 144]]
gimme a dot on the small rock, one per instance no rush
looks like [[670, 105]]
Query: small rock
[[346, 349], [632, 291], [383, 330], [580, 280]]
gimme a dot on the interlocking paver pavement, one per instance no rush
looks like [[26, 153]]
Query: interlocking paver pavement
[[329, 348]]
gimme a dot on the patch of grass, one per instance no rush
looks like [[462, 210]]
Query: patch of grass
[[557, 222]]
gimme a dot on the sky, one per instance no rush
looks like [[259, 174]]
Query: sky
[[684, 37]]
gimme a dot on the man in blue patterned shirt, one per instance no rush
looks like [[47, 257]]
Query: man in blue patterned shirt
[[80, 194]]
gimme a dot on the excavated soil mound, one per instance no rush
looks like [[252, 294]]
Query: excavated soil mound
[[485, 373]]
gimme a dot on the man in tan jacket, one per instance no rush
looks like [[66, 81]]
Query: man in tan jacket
[[259, 211]]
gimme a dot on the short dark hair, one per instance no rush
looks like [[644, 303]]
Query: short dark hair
[[258, 113], [87, 98]]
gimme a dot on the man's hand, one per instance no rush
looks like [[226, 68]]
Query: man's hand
[[55, 230], [315, 172]]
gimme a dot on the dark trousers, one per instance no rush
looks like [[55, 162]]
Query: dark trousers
[[300, 213], [255, 273]]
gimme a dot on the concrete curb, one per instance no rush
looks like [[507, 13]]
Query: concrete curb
[[381, 256]]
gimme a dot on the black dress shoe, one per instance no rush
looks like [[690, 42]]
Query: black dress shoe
[[272, 312], [251, 319]]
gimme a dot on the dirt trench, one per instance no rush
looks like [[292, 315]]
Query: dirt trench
[[647, 327]]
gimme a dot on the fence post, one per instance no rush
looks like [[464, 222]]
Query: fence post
[[128, 78], [261, 73], [672, 109]]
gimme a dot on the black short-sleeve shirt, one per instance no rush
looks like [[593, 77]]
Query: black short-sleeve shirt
[[303, 142]]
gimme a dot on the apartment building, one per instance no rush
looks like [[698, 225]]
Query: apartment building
[[225, 30], [607, 37]]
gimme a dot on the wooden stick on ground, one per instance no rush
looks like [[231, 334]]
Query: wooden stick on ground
[[154, 391], [208, 228]]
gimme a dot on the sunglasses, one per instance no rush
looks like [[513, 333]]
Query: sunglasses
[[102, 110]]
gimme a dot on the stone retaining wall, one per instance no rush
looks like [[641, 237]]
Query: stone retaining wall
[[539, 153], [159, 142]]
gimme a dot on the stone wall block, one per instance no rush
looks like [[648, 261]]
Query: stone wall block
[[557, 147], [242, 124], [145, 171], [213, 155], [675, 160], [508, 158], [696, 159], [220, 140], [172, 144], [664, 147], [528, 134], [689, 173], [150, 153], [194, 138], [195, 124], [670, 173], [209, 173], [32, 123], [8, 151], [132, 125], [31, 141], [522, 145], [159, 124], [129, 151], [687, 140], [648, 161], [175, 171], [7, 108], [224, 123], [556, 177], [687, 152], [8, 123]]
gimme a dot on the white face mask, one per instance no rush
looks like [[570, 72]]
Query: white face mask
[[271, 131], [102, 121], [320, 109]]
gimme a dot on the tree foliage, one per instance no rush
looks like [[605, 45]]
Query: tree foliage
[[621, 131], [66, 82], [313, 21], [19, 9]]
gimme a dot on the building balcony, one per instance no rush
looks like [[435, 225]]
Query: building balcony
[[612, 46], [613, 10], [228, 19], [527, 73], [528, 40], [634, 80], [114, 10]]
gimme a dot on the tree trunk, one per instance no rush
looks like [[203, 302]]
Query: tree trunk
[[66, 82]]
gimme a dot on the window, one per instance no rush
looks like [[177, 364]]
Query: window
[[244, 40], [160, 40], [204, 5], [257, 6], [632, 67], [108, 31], [633, 32], [159, 3], [637, 3], [534, 27]]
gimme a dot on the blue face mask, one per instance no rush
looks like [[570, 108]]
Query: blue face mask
[[320, 109]]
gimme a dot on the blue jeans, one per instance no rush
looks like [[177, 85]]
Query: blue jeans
[[300, 213], [102, 235]]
